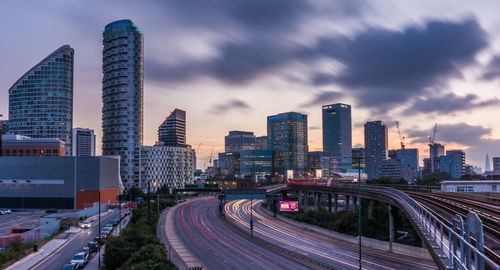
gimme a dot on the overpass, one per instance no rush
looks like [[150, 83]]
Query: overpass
[[450, 247]]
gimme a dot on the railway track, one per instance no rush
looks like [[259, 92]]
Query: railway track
[[446, 208]]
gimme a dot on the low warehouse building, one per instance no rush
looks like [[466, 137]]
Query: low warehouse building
[[58, 182]]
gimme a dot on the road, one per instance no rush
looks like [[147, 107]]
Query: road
[[217, 245], [64, 254], [335, 253]]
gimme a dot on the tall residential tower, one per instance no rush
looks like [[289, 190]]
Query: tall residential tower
[[172, 132], [122, 96], [41, 101]]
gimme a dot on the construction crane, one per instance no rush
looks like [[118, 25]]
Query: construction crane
[[198, 148], [211, 153], [401, 138], [433, 134]]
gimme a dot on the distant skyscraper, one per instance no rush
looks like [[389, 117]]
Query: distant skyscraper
[[41, 101], [375, 147], [238, 141], [83, 142], [122, 96], [261, 143], [487, 166], [172, 132], [287, 135], [356, 163], [496, 165], [337, 132], [435, 151], [453, 163]]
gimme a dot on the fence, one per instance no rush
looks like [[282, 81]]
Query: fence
[[87, 212], [41, 232]]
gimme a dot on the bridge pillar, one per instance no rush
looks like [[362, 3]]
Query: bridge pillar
[[318, 201], [355, 204], [370, 208], [391, 229], [336, 203], [347, 202], [300, 198], [329, 202]]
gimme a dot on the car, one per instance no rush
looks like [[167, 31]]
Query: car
[[93, 246], [7, 211], [51, 210], [103, 235], [2, 212], [70, 266], [85, 225], [107, 230], [86, 251], [98, 240], [115, 221], [79, 259], [14, 210]]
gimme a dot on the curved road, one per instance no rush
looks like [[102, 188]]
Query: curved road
[[209, 238], [336, 253]]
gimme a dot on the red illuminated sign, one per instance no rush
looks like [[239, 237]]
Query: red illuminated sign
[[289, 206]]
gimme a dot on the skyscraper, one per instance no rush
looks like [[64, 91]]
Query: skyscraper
[[453, 163], [487, 166], [122, 96], [337, 132], [287, 137], [238, 141], [375, 147], [435, 151], [172, 132], [83, 142], [41, 101]]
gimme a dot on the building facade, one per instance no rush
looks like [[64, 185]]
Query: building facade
[[41, 101], [358, 158], [256, 162], [238, 141], [261, 143], [453, 163], [329, 164], [165, 165], [229, 163], [23, 146], [496, 165], [287, 134], [83, 142], [375, 147], [58, 182], [172, 132], [337, 132], [436, 150], [122, 96]]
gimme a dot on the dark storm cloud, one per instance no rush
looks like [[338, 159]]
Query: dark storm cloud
[[324, 98], [262, 42], [384, 68], [449, 103], [229, 105], [492, 71], [461, 133]]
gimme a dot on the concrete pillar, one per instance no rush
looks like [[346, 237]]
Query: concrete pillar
[[315, 201], [391, 229], [300, 198], [318, 201], [336, 203], [347, 201], [329, 202], [370, 208], [355, 204]]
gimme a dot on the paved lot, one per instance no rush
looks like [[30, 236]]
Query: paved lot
[[10, 220]]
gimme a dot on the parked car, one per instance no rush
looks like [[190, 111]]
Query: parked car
[[85, 225], [93, 246], [79, 258], [103, 235], [70, 266], [51, 210], [98, 240], [86, 251], [2, 212], [7, 211]]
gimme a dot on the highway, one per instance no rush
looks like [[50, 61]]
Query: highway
[[64, 254], [335, 253], [209, 238]]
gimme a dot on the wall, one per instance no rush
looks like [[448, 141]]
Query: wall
[[86, 198]]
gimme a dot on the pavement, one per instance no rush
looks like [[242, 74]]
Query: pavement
[[196, 227], [58, 252], [338, 254]]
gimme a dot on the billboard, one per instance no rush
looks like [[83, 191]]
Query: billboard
[[289, 206]]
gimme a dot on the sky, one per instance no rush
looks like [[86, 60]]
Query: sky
[[230, 64]]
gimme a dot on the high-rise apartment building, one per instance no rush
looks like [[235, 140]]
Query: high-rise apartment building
[[41, 101], [375, 147], [453, 163], [172, 132], [337, 132], [83, 142], [436, 150], [238, 141], [287, 135], [122, 96]]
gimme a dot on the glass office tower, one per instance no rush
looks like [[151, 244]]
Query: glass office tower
[[375, 147], [41, 101], [337, 132], [122, 96]]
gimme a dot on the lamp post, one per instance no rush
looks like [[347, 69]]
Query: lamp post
[[251, 215], [359, 206], [99, 231]]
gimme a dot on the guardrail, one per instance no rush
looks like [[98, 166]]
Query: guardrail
[[452, 245]]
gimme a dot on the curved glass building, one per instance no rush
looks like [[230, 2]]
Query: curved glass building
[[41, 101], [122, 96]]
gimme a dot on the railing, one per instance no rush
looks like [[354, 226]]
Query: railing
[[452, 245]]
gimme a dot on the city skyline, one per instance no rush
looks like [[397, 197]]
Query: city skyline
[[455, 89]]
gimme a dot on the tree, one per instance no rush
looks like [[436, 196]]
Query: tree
[[117, 251], [433, 179], [386, 181]]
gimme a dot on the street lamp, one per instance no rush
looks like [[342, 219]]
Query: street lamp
[[359, 205]]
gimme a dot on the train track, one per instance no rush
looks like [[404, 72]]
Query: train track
[[445, 208]]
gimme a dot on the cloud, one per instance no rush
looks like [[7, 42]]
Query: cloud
[[324, 98], [448, 103], [492, 70], [460, 133], [232, 104], [386, 68]]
